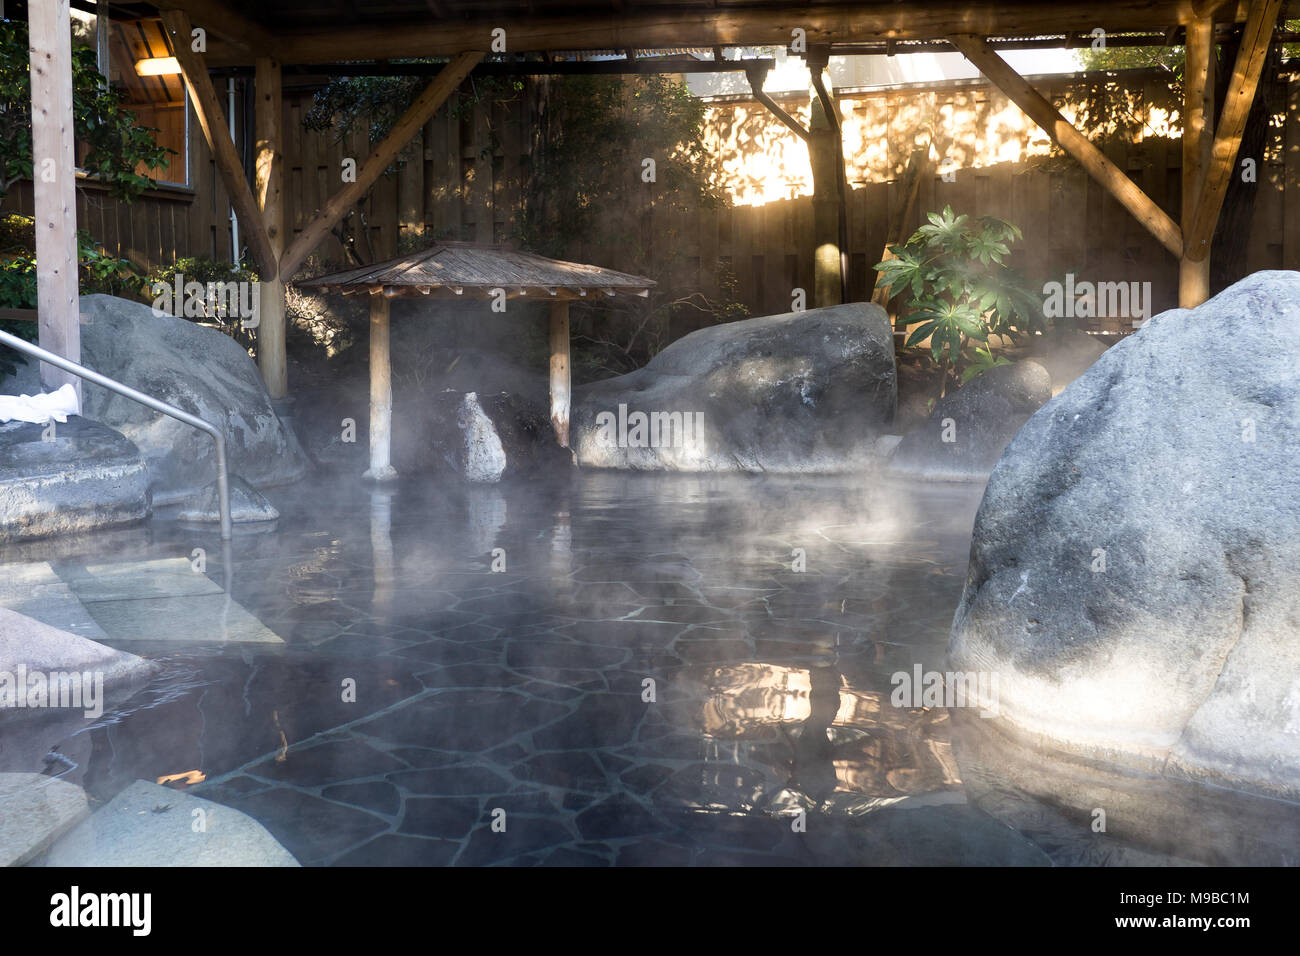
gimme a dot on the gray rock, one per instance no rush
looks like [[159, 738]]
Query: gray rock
[[149, 825], [479, 438], [88, 477], [25, 642], [28, 647], [804, 392], [969, 428], [199, 370], [1135, 558], [485, 458], [247, 504], [35, 810]]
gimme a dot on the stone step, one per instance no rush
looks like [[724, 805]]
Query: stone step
[[122, 602]]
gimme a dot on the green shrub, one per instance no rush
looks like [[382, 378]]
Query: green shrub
[[958, 290], [204, 271], [97, 272]]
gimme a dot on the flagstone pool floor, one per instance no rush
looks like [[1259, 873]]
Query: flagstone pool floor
[[644, 679]]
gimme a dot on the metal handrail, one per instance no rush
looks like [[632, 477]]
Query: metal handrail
[[223, 485]]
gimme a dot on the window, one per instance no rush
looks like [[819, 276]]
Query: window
[[157, 99]]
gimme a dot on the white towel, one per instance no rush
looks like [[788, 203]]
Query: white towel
[[39, 409]]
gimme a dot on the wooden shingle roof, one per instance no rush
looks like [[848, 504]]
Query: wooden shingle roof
[[449, 269]]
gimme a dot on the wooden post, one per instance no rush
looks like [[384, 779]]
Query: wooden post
[[560, 377], [269, 193], [1255, 39], [381, 392], [830, 200], [1093, 160], [54, 188], [827, 280], [1198, 143]]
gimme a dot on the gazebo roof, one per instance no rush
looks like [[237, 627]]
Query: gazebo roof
[[449, 269]]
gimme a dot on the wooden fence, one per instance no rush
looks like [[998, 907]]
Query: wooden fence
[[461, 180], [465, 178]]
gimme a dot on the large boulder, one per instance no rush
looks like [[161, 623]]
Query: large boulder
[[802, 392], [199, 370], [1134, 580], [69, 477], [969, 428]]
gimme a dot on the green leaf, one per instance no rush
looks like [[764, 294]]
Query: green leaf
[[920, 334]]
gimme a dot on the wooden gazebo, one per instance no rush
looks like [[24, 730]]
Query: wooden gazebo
[[463, 270]]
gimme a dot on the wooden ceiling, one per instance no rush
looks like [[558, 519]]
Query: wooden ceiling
[[133, 40], [316, 31]]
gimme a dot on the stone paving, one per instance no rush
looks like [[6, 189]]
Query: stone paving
[[646, 681]]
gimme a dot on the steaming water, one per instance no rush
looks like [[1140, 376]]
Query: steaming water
[[648, 680]]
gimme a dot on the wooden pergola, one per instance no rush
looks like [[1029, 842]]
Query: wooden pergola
[[462, 271], [266, 36]]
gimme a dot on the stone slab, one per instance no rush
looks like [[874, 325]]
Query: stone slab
[[149, 825], [35, 810], [36, 590], [199, 618], [135, 580]]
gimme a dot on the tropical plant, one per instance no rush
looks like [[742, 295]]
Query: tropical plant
[[958, 290]]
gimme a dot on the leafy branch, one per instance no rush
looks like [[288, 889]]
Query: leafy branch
[[959, 289]]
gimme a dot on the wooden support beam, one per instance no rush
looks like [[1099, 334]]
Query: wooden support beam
[[830, 207], [325, 39], [269, 192], [1198, 141], [560, 374], [218, 18], [381, 394], [419, 113], [54, 190], [213, 123], [1094, 162], [756, 86], [1232, 123]]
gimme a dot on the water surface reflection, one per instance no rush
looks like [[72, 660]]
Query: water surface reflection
[[629, 665]]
